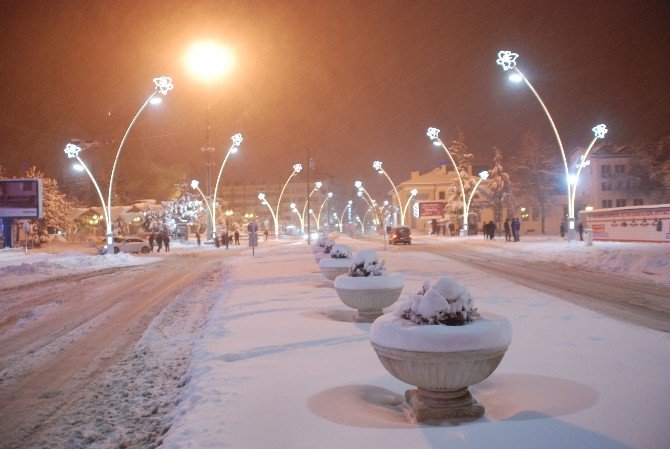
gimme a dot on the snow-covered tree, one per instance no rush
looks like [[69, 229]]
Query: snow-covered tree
[[499, 188], [158, 221], [120, 227], [55, 205], [650, 170], [535, 174], [463, 159]]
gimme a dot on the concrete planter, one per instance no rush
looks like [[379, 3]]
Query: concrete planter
[[443, 376], [332, 268], [369, 295]]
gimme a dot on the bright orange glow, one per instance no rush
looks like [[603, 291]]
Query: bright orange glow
[[208, 60]]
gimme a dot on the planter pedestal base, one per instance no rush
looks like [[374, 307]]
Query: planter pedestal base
[[367, 315], [446, 404]]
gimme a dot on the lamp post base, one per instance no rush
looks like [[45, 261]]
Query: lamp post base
[[571, 229]]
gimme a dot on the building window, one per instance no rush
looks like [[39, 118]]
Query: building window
[[638, 202], [619, 169], [605, 171], [607, 204], [536, 214], [620, 203], [441, 195], [606, 186]]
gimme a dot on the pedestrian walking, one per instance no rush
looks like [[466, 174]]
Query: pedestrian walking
[[492, 230], [266, 234], [580, 228], [166, 242], [562, 229], [508, 230], [237, 237], [151, 242], [451, 229], [159, 242], [516, 229], [197, 237]]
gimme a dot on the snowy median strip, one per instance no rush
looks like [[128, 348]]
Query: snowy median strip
[[280, 363]]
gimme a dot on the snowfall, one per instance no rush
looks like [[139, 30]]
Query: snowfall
[[280, 362]]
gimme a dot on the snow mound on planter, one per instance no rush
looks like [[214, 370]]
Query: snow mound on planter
[[446, 302], [340, 252], [366, 263], [488, 332]]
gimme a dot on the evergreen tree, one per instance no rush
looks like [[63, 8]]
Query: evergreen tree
[[55, 205], [499, 188]]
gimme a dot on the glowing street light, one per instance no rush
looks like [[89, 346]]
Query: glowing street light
[[377, 165], [507, 60], [300, 216], [196, 185], [318, 219], [162, 85], [341, 217], [434, 135], [209, 60], [413, 193], [261, 196], [317, 186], [237, 140]]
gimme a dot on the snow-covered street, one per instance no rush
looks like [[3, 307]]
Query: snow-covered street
[[206, 348]]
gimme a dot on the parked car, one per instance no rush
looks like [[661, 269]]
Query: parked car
[[127, 245], [400, 234]]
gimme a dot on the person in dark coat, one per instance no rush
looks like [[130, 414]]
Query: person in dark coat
[[451, 229], [151, 243], [580, 228], [516, 229], [237, 237], [266, 234], [562, 229], [492, 230], [508, 230], [159, 242], [197, 237], [166, 242]]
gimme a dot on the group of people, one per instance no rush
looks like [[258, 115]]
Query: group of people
[[161, 239], [512, 229], [580, 229]]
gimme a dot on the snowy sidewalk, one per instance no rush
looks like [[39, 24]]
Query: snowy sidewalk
[[280, 364]]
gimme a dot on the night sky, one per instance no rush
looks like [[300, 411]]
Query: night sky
[[352, 81]]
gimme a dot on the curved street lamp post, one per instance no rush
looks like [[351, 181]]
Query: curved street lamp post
[[162, 85], [275, 216], [433, 134], [377, 165], [507, 60]]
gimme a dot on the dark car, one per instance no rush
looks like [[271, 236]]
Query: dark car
[[400, 234]]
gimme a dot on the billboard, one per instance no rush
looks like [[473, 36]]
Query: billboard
[[21, 198], [431, 209], [630, 224]]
